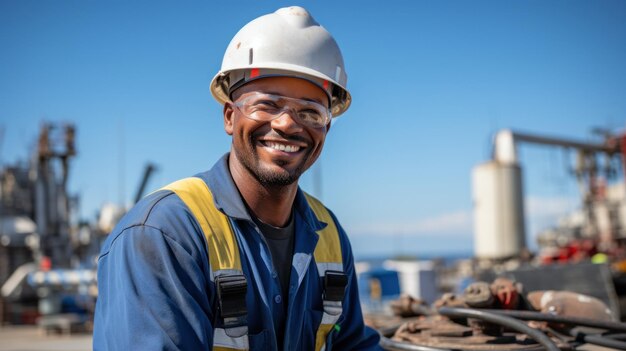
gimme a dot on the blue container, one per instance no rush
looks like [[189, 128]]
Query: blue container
[[377, 287]]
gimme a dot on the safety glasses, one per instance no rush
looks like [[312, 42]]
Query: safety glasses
[[267, 107]]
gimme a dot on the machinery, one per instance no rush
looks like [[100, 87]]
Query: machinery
[[47, 255], [594, 233], [532, 304], [499, 217], [502, 316]]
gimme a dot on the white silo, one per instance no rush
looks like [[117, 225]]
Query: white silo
[[498, 203]]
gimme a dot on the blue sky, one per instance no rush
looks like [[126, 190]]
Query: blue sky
[[431, 81]]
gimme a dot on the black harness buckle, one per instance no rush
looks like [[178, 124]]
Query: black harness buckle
[[335, 285], [231, 293]]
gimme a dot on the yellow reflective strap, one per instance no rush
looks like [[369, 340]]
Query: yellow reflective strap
[[221, 241], [328, 249], [322, 333], [222, 244]]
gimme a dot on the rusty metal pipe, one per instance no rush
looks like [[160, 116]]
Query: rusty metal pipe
[[506, 141], [556, 141]]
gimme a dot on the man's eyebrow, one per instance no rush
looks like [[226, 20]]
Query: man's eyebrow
[[313, 100]]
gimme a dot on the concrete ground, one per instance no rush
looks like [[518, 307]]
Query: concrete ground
[[30, 338]]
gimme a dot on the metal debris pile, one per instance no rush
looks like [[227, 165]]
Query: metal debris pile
[[501, 316]]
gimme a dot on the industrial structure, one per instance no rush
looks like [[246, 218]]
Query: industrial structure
[[499, 230], [568, 296], [48, 256]]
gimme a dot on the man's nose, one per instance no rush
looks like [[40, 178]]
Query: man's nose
[[287, 122]]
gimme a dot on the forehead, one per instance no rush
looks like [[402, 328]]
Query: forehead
[[286, 86]]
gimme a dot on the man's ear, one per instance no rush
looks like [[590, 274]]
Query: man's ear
[[229, 118]]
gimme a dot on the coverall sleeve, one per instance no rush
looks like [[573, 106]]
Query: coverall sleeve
[[151, 295], [353, 333]]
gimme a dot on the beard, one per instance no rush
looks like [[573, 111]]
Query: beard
[[268, 176]]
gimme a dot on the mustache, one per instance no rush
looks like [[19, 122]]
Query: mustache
[[278, 136]]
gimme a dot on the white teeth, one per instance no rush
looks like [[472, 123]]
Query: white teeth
[[283, 147]]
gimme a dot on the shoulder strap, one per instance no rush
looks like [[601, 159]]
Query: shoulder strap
[[226, 264], [224, 260], [328, 249], [329, 262], [221, 241]]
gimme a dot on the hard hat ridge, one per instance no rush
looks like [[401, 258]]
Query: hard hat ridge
[[297, 16], [288, 42]]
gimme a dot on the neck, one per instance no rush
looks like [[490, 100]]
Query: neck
[[270, 204]]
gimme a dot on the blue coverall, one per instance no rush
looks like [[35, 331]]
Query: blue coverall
[[155, 291]]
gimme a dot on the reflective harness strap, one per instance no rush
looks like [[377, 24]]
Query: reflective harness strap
[[330, 267], [224, 260], [228, 276]]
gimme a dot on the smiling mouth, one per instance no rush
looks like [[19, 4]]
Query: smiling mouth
[[281, 147]]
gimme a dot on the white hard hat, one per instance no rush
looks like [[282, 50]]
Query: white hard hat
[[288, 42]]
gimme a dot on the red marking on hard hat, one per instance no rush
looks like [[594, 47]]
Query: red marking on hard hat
[[254, 73], [325, 85]]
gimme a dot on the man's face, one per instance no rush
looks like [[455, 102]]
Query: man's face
[[277, 152]]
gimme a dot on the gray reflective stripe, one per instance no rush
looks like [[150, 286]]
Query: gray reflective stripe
[[328, 266], [329, 318], [332, 312], [222, 272], [236, 332], [332, 307], [221, 339]]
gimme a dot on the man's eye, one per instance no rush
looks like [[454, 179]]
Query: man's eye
[[265, 104], [310, 114]]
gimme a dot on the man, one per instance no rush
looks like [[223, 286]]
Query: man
[[239, 257]]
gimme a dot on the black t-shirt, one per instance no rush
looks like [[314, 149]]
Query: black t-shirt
[[280, 243]]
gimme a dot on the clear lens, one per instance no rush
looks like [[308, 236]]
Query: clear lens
[[267, 107]]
